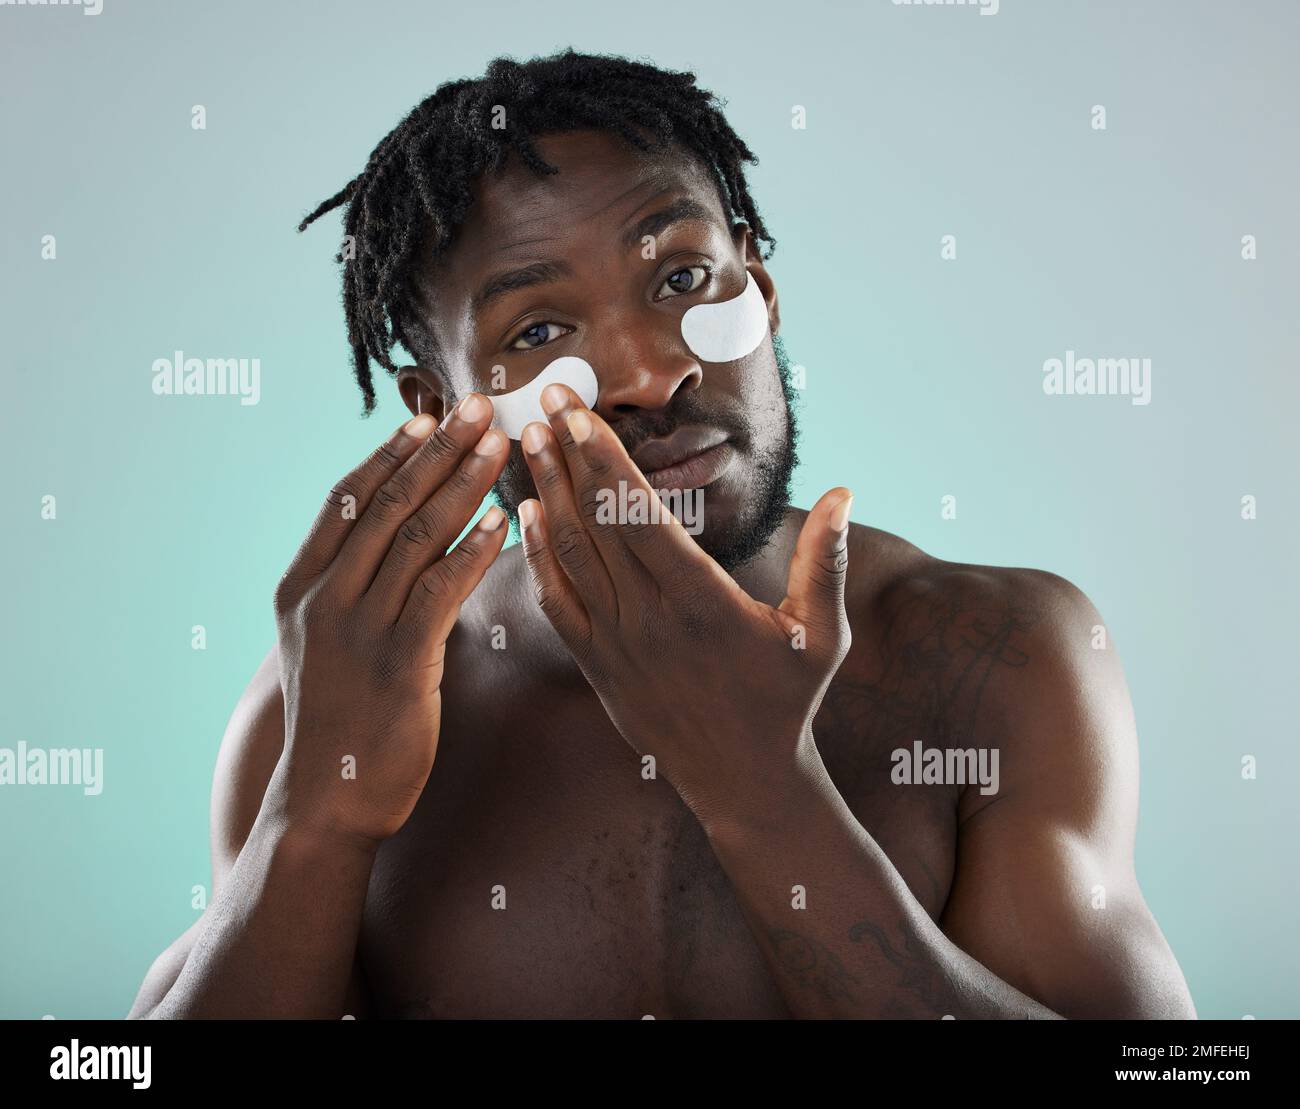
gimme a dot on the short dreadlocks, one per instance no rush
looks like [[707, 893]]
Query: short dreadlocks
[[416, 188]]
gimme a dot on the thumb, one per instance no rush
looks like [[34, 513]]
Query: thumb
[[815, 587]]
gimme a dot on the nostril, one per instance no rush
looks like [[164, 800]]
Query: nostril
[[645, 387]]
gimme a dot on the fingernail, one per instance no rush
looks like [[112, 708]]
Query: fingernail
[[579, 426], [553, 399], [840, 514], [527, 513], [418, 427], [473, 407], [490, 444], [492, 519], [534, 438]]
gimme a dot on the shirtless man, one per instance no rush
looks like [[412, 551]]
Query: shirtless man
[[665, 777]]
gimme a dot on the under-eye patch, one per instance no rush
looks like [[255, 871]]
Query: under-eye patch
[[729, 329], [720, 332], [514, 411]]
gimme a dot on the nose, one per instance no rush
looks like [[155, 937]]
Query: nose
[[640, 368]]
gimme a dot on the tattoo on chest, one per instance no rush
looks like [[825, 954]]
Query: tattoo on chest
[[936, 658]]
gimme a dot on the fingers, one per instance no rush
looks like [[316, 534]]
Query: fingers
[[555, 593], [434, 601], [348, 499], [571, 543], [426, 534], [598, 463], [403, 493], [815, 589]]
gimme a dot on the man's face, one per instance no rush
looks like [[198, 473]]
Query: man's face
[[601, 260]]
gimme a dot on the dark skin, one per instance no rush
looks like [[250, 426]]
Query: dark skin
[[503, 848]]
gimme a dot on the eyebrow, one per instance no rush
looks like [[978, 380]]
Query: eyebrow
[[536, 273], [539, 273], [679, 211]]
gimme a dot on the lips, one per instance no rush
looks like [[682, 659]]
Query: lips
[[688, 458]]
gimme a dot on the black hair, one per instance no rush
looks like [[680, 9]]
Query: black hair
[[417, 186]]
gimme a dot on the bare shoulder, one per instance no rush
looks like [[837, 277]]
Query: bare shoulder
[[1009, 657], [900, 594], [886, 570]]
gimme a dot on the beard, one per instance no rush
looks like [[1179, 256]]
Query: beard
[[730, 543]]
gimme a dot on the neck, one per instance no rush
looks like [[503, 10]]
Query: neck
[[764, 577]]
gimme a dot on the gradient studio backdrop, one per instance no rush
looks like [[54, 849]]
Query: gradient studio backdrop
[[924, 379]]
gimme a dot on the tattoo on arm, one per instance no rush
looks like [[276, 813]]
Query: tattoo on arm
[[813, 965], [917, 977], [938, 654]]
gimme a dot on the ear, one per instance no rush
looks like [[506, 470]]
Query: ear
[[422, 391], [747, 247]]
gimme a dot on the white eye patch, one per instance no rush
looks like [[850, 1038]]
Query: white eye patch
[[727, 330], [514, 411], [719, 332]]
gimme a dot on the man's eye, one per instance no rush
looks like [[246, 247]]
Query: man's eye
[[684, 281], [538, 335]]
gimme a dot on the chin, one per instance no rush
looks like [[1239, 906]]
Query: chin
[[739, 538]]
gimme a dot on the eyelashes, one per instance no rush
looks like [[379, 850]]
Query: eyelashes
[[530, 329], [547, 331], [695, 285]]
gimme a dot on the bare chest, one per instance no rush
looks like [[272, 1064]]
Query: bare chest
[[542, 875]]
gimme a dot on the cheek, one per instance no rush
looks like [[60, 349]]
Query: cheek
[[516, 481], [759, 392]]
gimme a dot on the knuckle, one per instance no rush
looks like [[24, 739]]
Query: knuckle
[[600, 462], [591, 500], [458, 490], [833, 567], [440, 448], [389, 662], [829, 646], [696, 623], [414, 533], [286, 592], [437, 581], [347, 490], [638, 530], [382, 458], [582, 647], [316, 606], [550, 599], [572, 545], [464, 479], [435, 522], [552, 478], [393, 498], [540, 567], [651, 625], [696, 615], [468, 549]]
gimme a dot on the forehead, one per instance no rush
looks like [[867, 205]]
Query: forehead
[[602, 181]]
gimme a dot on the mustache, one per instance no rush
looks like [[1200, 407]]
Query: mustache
[[686, 410], [516, 480]]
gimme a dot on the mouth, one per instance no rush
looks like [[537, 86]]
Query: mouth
[[689, 458]]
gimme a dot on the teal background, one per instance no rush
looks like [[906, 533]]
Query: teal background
[[924, 379]]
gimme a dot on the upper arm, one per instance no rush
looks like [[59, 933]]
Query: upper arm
[[249, 752], [1045, 894]]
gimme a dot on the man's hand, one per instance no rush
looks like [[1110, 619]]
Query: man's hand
[[363, 614], [721, 689]]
